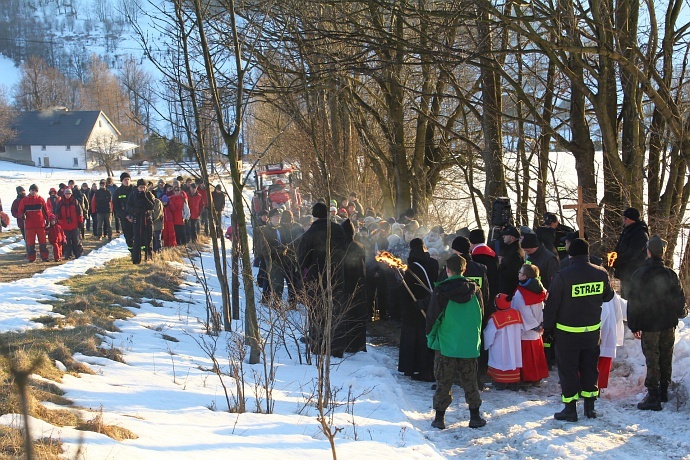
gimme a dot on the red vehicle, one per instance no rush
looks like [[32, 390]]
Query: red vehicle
[[275, 188]]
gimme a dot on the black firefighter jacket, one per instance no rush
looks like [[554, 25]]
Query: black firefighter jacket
[[631, 249], [573, 308], [656, 298]]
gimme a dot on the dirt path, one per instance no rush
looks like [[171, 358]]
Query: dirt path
[[13, 256]]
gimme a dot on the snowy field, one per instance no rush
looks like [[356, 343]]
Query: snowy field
[[178, 410]]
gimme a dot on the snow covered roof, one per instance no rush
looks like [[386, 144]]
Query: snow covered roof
[[54, 127]]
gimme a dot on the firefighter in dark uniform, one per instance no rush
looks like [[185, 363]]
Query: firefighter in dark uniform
[[573, 316], [120, 208]]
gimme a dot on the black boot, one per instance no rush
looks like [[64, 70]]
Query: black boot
[[589, 408], [651, 401], [663, 392], [438, 421], [476, 420], [569, 412]]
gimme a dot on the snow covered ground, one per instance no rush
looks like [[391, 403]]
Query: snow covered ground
[[177, 409]]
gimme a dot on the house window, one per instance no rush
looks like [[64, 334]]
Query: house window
[[43, 147], [68, 148], [76, 161], [19, 147]]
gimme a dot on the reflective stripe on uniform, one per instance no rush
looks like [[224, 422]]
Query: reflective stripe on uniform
[[578, 329], [589, 394], [571, 399]]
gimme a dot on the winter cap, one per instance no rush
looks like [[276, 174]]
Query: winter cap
[[141, 182], [68, 191], [273, 212], [342, 212], [192, 185], [34, 187], [529, 241], [525, 230], [578, 247], [456, 264], [550, 218], [161, 181], [319, 210], [20, 189], [657, 246], [102, 181], [349, 229], [125, 175], [416, 243], [632, 214], [165, 199], [52, 190], [369, 220], [512, 231], [502, 301], [438, 229], [333, 209], [570, 236], [461, 244], [84, 184], [477, 236], [464, 231]]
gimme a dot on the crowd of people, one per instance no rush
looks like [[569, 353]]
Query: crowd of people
[[151, 217], [505, 310]]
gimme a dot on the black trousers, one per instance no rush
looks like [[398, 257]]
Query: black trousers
[[578, 372]]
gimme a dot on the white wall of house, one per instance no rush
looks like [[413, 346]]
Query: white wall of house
[[59, 156]]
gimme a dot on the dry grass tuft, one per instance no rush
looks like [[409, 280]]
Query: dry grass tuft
[[112, 431], [11, 446]]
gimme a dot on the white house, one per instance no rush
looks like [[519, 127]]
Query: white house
[[63, 139]]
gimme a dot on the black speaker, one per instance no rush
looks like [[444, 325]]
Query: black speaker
[[501, 212]]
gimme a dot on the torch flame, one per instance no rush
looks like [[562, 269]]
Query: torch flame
[[389, 259], [611, 258]]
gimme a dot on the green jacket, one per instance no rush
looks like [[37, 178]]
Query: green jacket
[[454, 318]]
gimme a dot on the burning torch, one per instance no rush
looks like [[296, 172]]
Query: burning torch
[[611, 258], [397, 263]]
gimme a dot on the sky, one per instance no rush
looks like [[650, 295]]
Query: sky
[[177, 409]]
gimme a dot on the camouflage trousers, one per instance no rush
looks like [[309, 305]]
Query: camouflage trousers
[[446, 370], [658, 352]]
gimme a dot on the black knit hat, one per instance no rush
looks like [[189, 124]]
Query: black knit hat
[[33, 187], [477, 236], [461, 244], [578, 247], [125, 175], [512, 231], [20, 189], [632, 214], [530, 240], [141, 182], [319, 210], [416, 243]]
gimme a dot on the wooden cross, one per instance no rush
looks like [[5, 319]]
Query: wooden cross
[[580, 207]]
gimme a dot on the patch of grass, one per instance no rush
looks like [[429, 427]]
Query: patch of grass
[[112, 431], [169, 338], [11, 446], [88, 311]]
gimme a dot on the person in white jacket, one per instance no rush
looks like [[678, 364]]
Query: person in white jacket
[[502, 339], [612, 332], [529, 301]]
